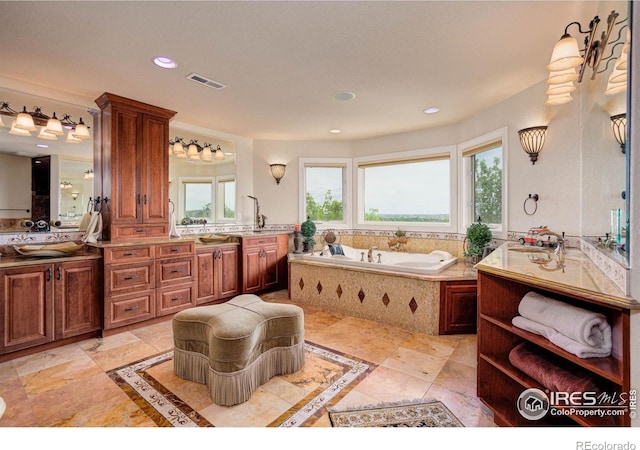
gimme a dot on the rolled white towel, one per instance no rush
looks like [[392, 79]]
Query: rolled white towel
[[578, 324], [562, 341]]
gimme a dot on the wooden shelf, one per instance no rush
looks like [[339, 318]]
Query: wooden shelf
[[500, 383]]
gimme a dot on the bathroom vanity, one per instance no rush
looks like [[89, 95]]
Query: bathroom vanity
[[504, 277]]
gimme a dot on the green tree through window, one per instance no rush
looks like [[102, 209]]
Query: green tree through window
[[488, 190]]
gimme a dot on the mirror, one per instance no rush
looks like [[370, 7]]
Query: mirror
[[604, 165], [202, 190]]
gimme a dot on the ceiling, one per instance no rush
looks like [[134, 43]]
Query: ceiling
[[281, 62]]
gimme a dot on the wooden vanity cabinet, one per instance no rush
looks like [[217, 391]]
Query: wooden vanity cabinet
[[264, 263], [146, 281], [218, 274], [133, 154], [42, 303]]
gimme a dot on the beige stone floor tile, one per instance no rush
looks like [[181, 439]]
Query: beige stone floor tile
[[48, 358], [388, 385], [259, 411], [159, 336], [59, 375], [113, 357], [440, 346], [416, 364], [466, 351], [287, 391], [194, 394], [457, 377], [19, 412], [114, 411], [61, 404]]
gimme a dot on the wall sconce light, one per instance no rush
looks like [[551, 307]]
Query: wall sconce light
[[278, 170], [74, 195], [194, 151], [88, 175], [619, 125], [50, 127], [532, 140], [568, 62]]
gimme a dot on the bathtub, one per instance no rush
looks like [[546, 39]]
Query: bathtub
[[396, 262]]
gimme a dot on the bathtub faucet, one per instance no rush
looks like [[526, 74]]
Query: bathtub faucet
[[370, 253]]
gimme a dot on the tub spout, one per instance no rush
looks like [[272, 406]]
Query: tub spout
[[370, 253]]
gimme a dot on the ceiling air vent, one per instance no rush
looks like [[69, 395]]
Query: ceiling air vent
[[206, 81]]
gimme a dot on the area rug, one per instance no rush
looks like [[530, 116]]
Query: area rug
[[408, 414], [335, 374]]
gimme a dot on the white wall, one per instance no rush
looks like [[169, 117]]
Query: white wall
[[280, 202]]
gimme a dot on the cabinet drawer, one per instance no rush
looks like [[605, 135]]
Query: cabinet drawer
[[173, 299], [128, 309], [127, 277], [260, 241], [128, 254], [175, 271], [175, 249], [142, 231]]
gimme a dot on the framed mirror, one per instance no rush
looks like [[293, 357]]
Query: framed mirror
[[605, 161]]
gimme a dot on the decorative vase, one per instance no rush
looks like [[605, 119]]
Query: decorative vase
[[297, 242]]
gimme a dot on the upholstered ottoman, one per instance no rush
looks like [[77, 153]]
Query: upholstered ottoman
[[235, 347]]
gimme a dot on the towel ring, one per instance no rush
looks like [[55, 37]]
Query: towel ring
[[173, 206], [528, 209]]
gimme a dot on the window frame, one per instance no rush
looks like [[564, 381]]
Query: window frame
[[346, 164], [219, 214], [466, 150], [214, 196], [447, 151]]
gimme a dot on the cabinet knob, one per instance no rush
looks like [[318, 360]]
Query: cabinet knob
[[132, 277], [49, 274], [130, 254], [141, 230], [177, 270], [132, 308], [174, 299], [59, 277], [174, 250]]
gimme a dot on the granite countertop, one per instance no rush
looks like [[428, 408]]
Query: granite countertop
[[541, 267], [20, 260]]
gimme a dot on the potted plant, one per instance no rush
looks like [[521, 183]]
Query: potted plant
[[308, 230], [478, 237]]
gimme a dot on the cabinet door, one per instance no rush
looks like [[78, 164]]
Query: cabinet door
[[252, 270], [153, 163], [458, 307], [77, 306], [227, 262], [125, 153], [206, 279], [26, 315], [270, 277]]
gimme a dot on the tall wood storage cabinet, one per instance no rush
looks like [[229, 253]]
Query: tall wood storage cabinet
[[134, 168]]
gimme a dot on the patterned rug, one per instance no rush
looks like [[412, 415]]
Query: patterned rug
[[331, 375], [412, 414]]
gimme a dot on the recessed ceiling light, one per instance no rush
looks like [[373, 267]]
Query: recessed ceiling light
[[165, 62], [343, 96], [42, 145], [335, 131], [431, 110]]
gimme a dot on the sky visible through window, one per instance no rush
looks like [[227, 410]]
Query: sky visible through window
[[319, 180], [412, 188]]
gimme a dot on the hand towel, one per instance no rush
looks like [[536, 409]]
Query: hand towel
[[562, 341], [578, 324], [548, 374], [94, 229], [173, 229], [84, 222]]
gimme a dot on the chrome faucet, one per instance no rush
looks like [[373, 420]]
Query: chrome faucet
[[370, 253], [559, 250]]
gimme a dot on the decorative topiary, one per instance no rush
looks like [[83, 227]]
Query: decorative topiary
[[478, 236], [308, 230]]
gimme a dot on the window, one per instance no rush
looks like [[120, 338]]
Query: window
[[325, 185], [410, 191], [208, 198], [198, 199], [484, 183], [226, 210]]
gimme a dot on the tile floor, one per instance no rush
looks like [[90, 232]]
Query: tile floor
[[68, 386]]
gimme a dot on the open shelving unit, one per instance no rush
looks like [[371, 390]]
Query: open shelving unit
[[500, 383]]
